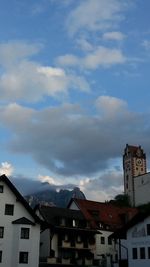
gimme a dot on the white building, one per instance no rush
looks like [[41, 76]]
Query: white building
[[136, 177], [106, 218], [142, 189], [137, 233], [134, 164], [19, 229]]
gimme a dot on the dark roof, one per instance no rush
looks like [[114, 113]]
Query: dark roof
[[105, 213], [50, 214], [139, 217], [133, 150], [23, 220], [19, 197]]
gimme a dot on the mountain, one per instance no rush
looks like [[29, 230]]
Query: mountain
[[54, 198]]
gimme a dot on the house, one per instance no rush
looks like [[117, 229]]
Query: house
[[66, 237], [19, 228], [106, 218], [137, 236]]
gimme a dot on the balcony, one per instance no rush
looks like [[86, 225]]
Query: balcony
[[66, 244]]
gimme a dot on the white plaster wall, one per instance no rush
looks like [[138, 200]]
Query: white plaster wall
[[137, 242], [11, 244], [142, 189], [73, 206], [104, 248]]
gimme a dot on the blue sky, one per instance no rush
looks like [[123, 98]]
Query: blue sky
[[74, 86]]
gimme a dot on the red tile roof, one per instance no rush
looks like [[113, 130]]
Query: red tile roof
[[105, 213]]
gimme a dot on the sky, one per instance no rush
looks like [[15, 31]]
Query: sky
[[74, 90]]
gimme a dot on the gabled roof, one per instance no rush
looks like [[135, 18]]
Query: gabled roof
[[19, 197], [139, 217], [23, 220], [50, 214], [105, 213]]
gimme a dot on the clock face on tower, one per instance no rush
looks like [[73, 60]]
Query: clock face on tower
[[138, 162]]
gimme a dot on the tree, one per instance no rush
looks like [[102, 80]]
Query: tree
[[121, 200]]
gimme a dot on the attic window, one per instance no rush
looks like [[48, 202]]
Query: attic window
[[1, 188], [9, 209]]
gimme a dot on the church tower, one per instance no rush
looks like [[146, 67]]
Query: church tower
[[134, 164]]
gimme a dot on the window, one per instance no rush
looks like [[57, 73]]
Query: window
[[109, 241], [102, 240], [9, 209], [79, 239], [1, 231], [25, 233], [1, 188], [148, 229], [134, 253], [0, 255], [142, 253], [23, 257], [148, 252]]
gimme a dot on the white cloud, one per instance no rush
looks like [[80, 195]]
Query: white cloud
[[146, 44], [100, 57], [116, 36], [23, 79], [48, 179], [104, 57], [93, 15], [111, 106], [84, 44], [106, 187], [12, 53], [6, 168]]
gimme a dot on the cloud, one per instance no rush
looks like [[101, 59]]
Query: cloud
[[95, 15], [68, 142], [146, 44], [26, 80], [84, 44], [6, 168], [100, 57], [48, 179], [116, 36], [30, 185], [111, 106], [103, 188]]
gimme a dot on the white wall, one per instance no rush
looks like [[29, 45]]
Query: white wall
[[142, 189], [11, 243], [136, 238]]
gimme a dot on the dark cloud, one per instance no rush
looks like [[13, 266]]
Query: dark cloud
[[28, 185], [67, 141]]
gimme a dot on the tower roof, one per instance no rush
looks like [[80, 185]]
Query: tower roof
[[135, 151]]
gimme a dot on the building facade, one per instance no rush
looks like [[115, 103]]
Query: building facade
[[66, 238], [134, 165], [19, 228], [136, 234], [106, 218]]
